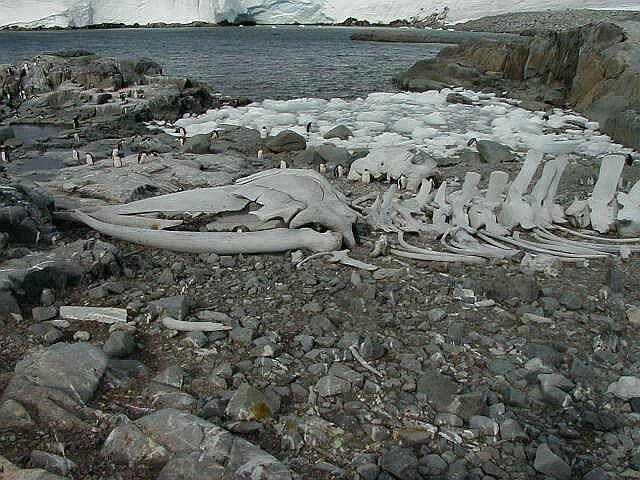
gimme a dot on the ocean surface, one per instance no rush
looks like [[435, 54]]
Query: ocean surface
[[260, 62]]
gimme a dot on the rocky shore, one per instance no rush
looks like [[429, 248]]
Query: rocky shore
[[592, 69], [414, 371]]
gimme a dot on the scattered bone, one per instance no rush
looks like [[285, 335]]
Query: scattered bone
[[380, 247], [602, 203], [94, 314], [183, 326], [356, 355], [342, 257]]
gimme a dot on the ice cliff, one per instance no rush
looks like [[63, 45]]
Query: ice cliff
[[65, 13]]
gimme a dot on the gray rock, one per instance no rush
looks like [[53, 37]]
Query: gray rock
[[241, 335], [332, 155], [127, 445], [176, 307], [635, 404], [342, 132], [432, 464], [372, 349], [8, 303], [596, 474], [40, 314], [436, 314], [437, 388], [570, 301], [47, 297], [521, 287], [189, 466], [196, 339], [550, 464], [467, 405], [119, 344], [6, 132], [51, 463], [511, 431], [329, 386], [227, 261], [249, 403], [340, 370], [14, 415], [401, 463], [555, 380], [455, 97], [198, 144], [368, 471], [286, 141], [51, 381], [52, 335], [484, 425], [493, 152]]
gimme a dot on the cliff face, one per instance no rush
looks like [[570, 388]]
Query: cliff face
[[594, 69]]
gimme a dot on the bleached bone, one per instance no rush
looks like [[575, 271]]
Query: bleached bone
[[617, 241], [629, 215], [182, 326], [394, 162], [515, 240], [578, 213], [432, 255], [443, 209], [380, 247], [464, 244], [295, 197], [601, 203], [543, 193], [482, 212], [339, 256], [360, 359], [549, 203], [460, 202], [132, 221], [222, 243], [516, 210], [594, 245]]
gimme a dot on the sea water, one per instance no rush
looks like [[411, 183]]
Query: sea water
[[261, 62]]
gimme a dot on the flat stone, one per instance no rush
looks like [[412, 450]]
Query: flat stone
[[493, 152], [437, 388], [249, 403], [13, 415], [625, 388], [127, 445], [119, 344], [329, 386], [401, 463], [176, 307], [550, 464], [52, 463], [40, 314]]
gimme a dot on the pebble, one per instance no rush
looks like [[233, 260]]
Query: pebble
[[550, 464], [119, 344]]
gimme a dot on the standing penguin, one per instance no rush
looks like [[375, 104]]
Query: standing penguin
[[283, 164], [260, 154], [366, 177], [402, 182], [264, 133], [89, 159], [308, 129], [338, 171], [120, 148], [75, 155], [215, 135], [322, 168], [76, 138], [142, 157], [4, 154], [76, 121], [115, 158]]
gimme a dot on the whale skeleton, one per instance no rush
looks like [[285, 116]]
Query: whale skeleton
[[281, 209]]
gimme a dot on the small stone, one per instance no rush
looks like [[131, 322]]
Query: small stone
[[625, 388], [401, 463], [633, 314], [242, 335], [119, 344], [329, 386], [432, 464], [249, 403], [47, 297], [467, 405], [53, 335], [51, 463], [549, 463], [14, 415], [555, 380], [368, 471], [570, 301], [455, 97], [227, 261], [596, 474], [40, 314], [196, 339], [436, 314], [510, 430], [81, 336], [176, 307], [485, 425], [97, 293]]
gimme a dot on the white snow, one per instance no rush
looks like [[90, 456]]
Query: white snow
[[83, 12], [422, 120]]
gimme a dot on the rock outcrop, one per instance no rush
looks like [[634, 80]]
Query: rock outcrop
[[594, 69]]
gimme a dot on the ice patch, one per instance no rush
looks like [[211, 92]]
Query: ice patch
[[422, 120]]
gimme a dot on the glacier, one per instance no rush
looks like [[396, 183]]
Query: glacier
[[77, 13]]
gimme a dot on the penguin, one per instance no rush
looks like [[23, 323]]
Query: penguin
[[402, 182], [4, 154], [215, 135], [120, 148], [260, 154], [115, 158], [181, 141], [472, 141], [366, 177], [76, 138], [75, 155], [76, 122], [182, 131], [322, 168], [264, 133], [142, 157], [545, 117], [628, 160], [308, 128], [338, 171], [89, 159], [283, 164]]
